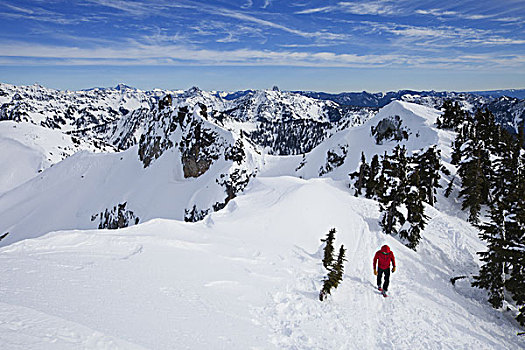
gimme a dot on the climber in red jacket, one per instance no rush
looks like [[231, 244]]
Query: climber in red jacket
[[384, 257]]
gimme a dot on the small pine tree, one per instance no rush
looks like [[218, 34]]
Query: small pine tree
[[448, 190], [328, 257], [339, 265], [334, 276]]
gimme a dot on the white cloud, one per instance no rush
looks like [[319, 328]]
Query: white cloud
[[356, 8], [266, 3], [248, 4], [440, 36], [140, 53], [442, 14]]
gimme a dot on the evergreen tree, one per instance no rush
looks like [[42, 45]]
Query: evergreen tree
[[394, 175], [328, 257], [473, 171], [362, 175], [504, 262], [465, 132], [373, 186], [452, 115], [335, 275], [492, 275], [449, 188], [339, 265], [486, 129], [429, 167], [416, 218], [515, 236]]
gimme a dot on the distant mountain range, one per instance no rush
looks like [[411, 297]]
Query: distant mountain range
[[517, 93]]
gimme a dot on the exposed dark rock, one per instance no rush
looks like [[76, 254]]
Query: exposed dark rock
[[195, 214], [198, 148], [334, 159], [155, 141], [117, 217], [390, 128], [164, 102]]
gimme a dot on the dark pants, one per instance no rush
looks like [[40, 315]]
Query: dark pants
[[380, 273]]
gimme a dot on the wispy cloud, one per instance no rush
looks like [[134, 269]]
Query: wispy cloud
[[39, 14], [441, 36], [444, 14], [133, 52], [269, 24], [266, 3], [248, 4], [356, 8]]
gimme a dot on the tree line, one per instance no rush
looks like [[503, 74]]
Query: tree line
[[401, 183], [491, 166]]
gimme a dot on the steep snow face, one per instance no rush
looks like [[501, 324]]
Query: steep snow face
[[248, 277], [27, 149], [341, 153]]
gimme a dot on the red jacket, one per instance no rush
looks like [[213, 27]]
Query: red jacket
[[384, 256]]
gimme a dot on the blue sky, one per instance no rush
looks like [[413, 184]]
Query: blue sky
[[296, 44]]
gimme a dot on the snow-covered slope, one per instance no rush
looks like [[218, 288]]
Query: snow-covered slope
[[27, 149], [247, 277], [184, 168], [416, 120]]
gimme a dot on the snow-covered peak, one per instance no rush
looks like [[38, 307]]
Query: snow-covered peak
[[410, 113], [123, 87], [274, 105], [398, 123]]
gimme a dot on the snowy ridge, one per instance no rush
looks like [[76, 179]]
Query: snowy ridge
[[250, 275]]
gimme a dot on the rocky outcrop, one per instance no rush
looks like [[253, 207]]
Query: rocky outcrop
[[117, 217], [194, 214], [390, 128], [334, 159], [199, 148]]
